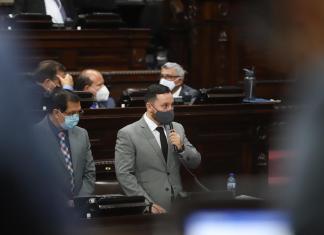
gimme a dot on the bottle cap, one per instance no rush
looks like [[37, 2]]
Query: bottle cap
[[249, 72]]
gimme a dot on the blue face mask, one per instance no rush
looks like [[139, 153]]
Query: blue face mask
[[70, 121]]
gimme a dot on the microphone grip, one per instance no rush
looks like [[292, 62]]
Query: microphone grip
[[171, 128]]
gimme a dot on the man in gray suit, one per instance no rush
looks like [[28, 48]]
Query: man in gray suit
[[149, 152], [68, 146], [172, 76]]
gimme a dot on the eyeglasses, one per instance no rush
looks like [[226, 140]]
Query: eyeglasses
[[76, 112], [167, 76]]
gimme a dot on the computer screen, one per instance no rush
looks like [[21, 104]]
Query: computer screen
[[238, 221]]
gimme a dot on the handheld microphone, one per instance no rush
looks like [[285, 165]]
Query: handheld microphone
[[171, 128]]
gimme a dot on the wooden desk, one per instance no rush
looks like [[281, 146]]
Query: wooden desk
[[230, 138], [119, 49], [126, 225]]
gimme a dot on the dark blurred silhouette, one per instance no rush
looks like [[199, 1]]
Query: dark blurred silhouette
[[30, 202], [307, 191], [298, 42]]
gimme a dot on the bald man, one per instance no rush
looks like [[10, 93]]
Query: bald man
[[92, 81]]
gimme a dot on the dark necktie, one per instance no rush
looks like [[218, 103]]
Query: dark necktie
[[61, 8], [164, 142], [67, 157]]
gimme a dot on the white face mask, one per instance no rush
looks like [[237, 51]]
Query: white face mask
[[167, 83], [102, 94]]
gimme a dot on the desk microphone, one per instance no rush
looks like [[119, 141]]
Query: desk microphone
[[171, 128]]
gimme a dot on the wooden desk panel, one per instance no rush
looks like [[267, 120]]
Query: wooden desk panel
[[127, 225], [230, 138], [119, 49]]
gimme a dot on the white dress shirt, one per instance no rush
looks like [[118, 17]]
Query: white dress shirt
[[152, 125], [177, 93], [53, 10]]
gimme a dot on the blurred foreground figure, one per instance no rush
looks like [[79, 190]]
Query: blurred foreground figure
[[29, 189], [307, 190], [302, 34]]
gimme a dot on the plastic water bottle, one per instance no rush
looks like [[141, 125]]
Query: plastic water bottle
[[249, 83], [231, 183]]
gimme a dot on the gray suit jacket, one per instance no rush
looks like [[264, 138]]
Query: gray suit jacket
[[82, 160], [141, 168]]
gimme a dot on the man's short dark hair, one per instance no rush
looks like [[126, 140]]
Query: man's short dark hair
[[82, 81], [60, 98], [47, 69], [153, 90]]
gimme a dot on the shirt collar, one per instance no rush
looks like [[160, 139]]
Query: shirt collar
[[54, 128], [151, 124], [177, 93]]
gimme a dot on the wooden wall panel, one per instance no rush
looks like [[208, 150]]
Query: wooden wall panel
[[120, 49]]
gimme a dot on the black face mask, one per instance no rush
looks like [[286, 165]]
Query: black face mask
[[165, 117]]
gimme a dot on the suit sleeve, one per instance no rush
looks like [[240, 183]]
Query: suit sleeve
[[190, 156], [89, 176], [125, 166]]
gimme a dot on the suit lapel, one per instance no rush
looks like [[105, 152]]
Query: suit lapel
[[53, 141], [151, 139], [68, 8], [73, 147]]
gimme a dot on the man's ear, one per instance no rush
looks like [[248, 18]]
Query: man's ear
[[86, 88], [149, 107], [45, 84], [55, 111], [46, 81], [179, 81]]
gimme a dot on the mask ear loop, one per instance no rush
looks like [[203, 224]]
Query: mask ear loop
[[60, 112], [153, 106]]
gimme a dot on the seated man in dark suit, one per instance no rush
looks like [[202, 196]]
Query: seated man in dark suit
[[68, 144], [92, 81], [172, 76], [60, 10], [48, 75]]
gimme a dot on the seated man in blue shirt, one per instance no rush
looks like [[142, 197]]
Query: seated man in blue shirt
[[92, 81]]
